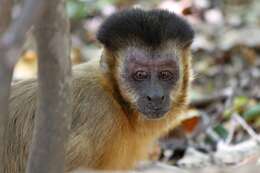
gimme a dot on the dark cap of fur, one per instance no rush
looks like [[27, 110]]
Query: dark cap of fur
[[151, 27]]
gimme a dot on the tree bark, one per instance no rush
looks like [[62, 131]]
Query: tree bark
[[47, 153], [5, 14], [11, 43]]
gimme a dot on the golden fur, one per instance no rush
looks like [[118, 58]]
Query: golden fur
[[104, 135]]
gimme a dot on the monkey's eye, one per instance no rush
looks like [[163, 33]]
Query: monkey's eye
[[166, 75], [140, 75]]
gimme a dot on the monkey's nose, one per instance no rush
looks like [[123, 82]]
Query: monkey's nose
[[155, 99]]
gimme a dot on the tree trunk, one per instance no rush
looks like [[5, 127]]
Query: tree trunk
[[54, 78]]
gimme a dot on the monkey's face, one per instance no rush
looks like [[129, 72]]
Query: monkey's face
[[150, 78]]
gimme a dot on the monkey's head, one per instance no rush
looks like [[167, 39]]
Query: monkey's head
[[146, 57]]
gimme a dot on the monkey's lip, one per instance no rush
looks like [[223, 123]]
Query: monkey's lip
[[154, 113]]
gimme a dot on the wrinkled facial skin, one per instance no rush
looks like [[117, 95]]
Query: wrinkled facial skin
[[152, 77]]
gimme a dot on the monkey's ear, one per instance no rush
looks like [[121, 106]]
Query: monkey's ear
[[103, 64], [106, 62]]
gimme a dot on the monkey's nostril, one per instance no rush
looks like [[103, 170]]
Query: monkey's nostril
[[149, 98], [158, 99]]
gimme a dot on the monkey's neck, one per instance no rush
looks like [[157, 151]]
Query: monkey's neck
[[110, 84], [124, 104], [152, 128]]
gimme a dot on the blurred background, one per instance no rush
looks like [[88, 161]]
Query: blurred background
[[224, 115]]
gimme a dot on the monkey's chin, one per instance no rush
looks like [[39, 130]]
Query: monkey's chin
[[154, 115]]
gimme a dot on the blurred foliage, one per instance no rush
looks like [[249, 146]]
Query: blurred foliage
[[252, 113], [79, 9]]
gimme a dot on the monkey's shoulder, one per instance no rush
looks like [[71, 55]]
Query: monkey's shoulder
[[87, 79], [91, 101]]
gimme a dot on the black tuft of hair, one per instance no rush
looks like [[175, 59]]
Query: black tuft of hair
[[152, 27]]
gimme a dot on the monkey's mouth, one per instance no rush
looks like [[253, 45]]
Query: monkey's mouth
[[153, 112]]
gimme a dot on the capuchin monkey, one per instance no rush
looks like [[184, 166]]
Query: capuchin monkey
[[123, 101]]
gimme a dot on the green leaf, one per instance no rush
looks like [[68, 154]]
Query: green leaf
[[257, 123], [252, 113], [221, 131], [227, 113], [76, 9], [239, 105], [240, 102], [102, 3]]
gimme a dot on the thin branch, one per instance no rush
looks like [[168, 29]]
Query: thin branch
[[207, 100], [11, 43], [226, 95], [47, 153], [5, 14], [248, 129]]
